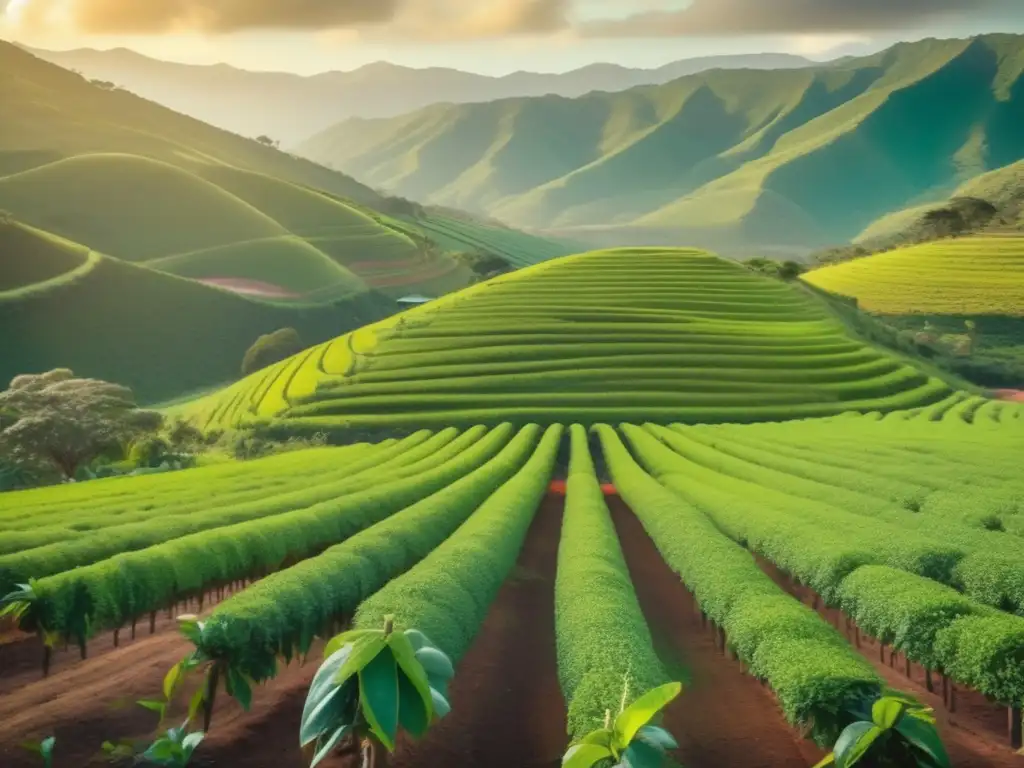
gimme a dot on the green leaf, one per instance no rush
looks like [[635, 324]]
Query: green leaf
[[854, 742], [319, 713], [924, 737], [643, 710], [196, 702], [378, 683], [585, 755], [240, 688], [324, 750], [190, 626], [657, 737], [440, 704], [160, 707], [46, 747], [364, 650], [640, 755], [418, 639], [887, 711], [829, 759], [192, 741], [347, 638], [413, 713], [435, 662], [172, 678], [603, 738], [411, 668]]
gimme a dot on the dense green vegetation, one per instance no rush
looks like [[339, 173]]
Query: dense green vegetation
[[738, 161], [631, 334]]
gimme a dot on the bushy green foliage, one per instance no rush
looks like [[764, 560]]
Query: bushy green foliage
[[601, 632], [271, 348], [281, 614], [813, 671], [448, 594]]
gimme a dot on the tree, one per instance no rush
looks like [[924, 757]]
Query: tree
[[68, 422], [790, 270], [271, 348], [267, 141]]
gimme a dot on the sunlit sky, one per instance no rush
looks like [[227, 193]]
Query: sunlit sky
[[490, 36]]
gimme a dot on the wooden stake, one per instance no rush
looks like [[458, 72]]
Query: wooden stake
[[952, 696], [908, 667], [117, 637], [134, 620], [1013, 715], [928, 682], [945, 690], [152, 622], [47, 657]]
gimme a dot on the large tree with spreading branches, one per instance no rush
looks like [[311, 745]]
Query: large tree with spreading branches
[[67, 422]]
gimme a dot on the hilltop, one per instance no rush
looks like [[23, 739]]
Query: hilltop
[[627, 334], [291, 107], [786, 160]]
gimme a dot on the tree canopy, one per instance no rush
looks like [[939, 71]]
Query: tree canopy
[[57, 419], [271, 348]]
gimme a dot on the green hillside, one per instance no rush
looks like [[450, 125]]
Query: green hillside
[[162, 335], [643, 334], [29, 256], [788, 159]]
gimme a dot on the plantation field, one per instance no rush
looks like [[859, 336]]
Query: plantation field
[[822, 558], [968, 276], [627, 334]]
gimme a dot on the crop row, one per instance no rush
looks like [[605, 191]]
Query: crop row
[[126, 586], [601, 633], [810, 667], [281, 615]]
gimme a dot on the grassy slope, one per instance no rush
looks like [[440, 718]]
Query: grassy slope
[[29, 256], [160, 334], [786, 157], [664, 335]]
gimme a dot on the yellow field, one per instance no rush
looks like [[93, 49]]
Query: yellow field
[[969, 276]]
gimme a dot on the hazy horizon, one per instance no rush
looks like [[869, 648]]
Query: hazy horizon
[[493, 37]]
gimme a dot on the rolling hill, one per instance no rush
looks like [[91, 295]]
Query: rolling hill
[[642, 334], [291, 108], [738, 160], [933, 290]]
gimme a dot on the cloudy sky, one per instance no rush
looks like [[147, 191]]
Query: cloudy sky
[[492, 36]]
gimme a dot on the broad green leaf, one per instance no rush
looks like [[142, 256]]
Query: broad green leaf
[[161, 749], [854, 742], [886, 712], [318, 720], [411, 668], [413, 713], [192, 741], [640, 755], [418, 639], [347, 638], [439, 684], [240, 688], [196, 702], [657, 737], [378, 683], [364, 650], [46, 747], [829, 759], [440, 704], [435, 662], [172, 678], [924, 737], [643, 710], [325, 749], [190, 626], [603, 738], [317, 713], [585, 755], [160, 707]]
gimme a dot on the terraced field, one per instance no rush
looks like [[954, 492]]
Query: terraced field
[[629, 334], [794, 546], [968, 276]]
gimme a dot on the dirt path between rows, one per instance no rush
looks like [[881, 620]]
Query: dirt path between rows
[[974, 735], [724, 717], [507, 706]]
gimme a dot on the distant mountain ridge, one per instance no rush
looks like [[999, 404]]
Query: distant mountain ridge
[[783, 160], [291, 108]]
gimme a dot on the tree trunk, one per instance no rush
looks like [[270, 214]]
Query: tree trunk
[[152, 622], [117, 637], [47, 656], [1013, 715], [211, 695], [134, 619], [374, 754], [928, 682], [908, 666]]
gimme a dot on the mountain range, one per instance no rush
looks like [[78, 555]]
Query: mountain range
[[290, 107], [737, 160]]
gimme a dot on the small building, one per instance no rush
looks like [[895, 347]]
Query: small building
[[413, 300]]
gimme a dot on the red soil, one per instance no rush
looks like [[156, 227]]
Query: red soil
[[250, 287], [975, 734], [1013, 395], [558, 488], [724, 717]]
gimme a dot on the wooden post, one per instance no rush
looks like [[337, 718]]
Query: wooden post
[[881, 651], [152, 622], [928, 682], [856, 635], [81, 647], [908, 665], [952, 696], [1013, 715], [945, 690], [134, 620], [47, 656], [117, 637]]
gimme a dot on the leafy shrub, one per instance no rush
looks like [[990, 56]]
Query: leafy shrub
[[271, 348]]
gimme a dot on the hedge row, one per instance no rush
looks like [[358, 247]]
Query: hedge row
[[131, 584], [808, 664], [448, 594], [280, 615], [600, 629], [97, 546]]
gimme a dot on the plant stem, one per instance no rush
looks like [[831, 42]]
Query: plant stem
[[210, 697]]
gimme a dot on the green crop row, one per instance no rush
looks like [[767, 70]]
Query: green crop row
[[448, 594], [280, 615], [111, 592], [810, 667], [99, 545], [600, 630]]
